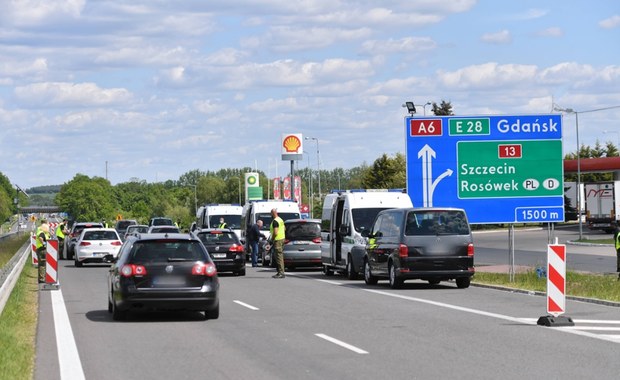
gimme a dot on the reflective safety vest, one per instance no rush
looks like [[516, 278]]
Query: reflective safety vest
[[59, 231], [618, 241], [281, 234], [222, 225], [39, 243]]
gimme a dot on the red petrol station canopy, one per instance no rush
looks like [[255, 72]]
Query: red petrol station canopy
[[602, 164]]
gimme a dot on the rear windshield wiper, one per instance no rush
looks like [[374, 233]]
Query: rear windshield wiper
[[177, 259]]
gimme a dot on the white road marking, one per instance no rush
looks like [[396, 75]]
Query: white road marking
[[331, 282], [526, 321], [246, 305], [68, 356], [341, 344]]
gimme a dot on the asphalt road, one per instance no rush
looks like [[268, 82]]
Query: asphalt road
[[309, 326], [530, 248]]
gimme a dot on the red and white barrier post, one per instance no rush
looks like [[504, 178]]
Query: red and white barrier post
[[33, 250], [51, 265], [556, 288]]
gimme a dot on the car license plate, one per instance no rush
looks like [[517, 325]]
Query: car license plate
[[99, 254], [219, 255], [298, 242], [168, 281]]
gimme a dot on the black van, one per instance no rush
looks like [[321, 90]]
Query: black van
[[431, 244]]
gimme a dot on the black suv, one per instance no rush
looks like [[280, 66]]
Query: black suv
[[224, 248], [163, 272], [432, 244]]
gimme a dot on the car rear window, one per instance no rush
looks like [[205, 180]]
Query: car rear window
[[162, 222], [100, 235], [218, 237], [302, 231], [167, 250], [123, 224], [436, 222]]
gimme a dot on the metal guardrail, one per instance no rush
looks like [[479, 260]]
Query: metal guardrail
[[10, 272]]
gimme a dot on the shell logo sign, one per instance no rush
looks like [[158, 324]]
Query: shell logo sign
[[292, 146]]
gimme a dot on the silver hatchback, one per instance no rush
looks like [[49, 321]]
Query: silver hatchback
[[302, 244]]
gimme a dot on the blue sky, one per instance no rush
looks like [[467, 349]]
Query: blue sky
[[158, 88]]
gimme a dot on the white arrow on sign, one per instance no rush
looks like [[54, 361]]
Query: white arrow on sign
[[428, 185]]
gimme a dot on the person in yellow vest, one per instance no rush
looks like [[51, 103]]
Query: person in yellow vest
[[60, 233], [222, 223], [43, 235], [617, 244], [277, 234]]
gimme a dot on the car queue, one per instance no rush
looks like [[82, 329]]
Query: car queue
[[157, 267]]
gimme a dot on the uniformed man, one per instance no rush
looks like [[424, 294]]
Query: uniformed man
[[222, 223], [60, 233], [43, 235], [277, 234]]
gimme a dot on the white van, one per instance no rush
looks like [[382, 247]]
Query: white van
[[346, 214], [210, 215], [261, 209]]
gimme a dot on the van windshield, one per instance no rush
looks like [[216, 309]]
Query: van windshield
[[364, 217], [436, 222], [232, 221]]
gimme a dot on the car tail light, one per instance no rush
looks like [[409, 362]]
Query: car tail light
[[202, 269], [130, 270], [84, 243], [317, 240], [236, 248], [117, 242], [403, 251], [286, 241], [470, 249]]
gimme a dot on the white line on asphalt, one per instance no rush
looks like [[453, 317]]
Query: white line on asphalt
[[246, 305], [68, 356], [525, 321], [341, 344], [331, 282]]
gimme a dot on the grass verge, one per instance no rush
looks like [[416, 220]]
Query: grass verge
[[601, 287], [10, 245], [18, 327]]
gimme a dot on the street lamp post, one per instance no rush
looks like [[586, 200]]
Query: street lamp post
[[310, 190], [570, 110], [318, 161], [424, 107]]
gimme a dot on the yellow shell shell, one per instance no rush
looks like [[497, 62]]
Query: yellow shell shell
[[291, 144]]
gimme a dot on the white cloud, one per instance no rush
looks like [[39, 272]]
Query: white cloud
[[487, 75], [403, 45], [610, 23], [551, 32], [57, 94], [32, 12], [532, 14], [501, 37]]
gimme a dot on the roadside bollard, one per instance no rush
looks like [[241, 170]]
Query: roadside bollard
[[51, 266]]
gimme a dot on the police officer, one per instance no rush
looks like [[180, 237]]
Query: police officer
[[277, 234], [222, 223], [60, 233], [617, 244], [43, 235]]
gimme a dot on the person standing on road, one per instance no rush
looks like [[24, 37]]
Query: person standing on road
[[254, 236], [617, 244], [60, 233], [277, 235], [43, 235]]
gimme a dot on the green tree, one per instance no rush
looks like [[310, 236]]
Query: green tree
[[386, 173], [88, 199], [443, 109]]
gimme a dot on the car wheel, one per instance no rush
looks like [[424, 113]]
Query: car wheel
[[395, 281], [110, 307], [213, 313], [118, 315], [434, 282], [369, 279], [78, 264], [463, 282], [241, 272], [327, 271], [351, 273]]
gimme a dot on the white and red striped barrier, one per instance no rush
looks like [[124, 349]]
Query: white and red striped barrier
[[51, 262], [556, 287], [33, 250], [556, 279]]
